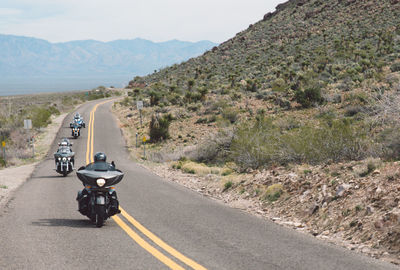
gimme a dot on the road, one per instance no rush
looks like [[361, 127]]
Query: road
[[162, 225]]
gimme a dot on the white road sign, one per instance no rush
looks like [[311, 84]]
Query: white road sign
[[139, 104], [27, 124]]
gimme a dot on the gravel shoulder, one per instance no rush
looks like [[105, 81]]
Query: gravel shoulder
[[13, 177]]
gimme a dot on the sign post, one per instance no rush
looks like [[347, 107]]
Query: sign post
[[137, 140], [3, 145], [144, 146], [139, 105], [28, 126]]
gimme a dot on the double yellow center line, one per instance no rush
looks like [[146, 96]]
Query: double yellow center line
[[135, 236]]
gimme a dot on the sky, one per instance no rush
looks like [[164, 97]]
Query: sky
[[106, 20]]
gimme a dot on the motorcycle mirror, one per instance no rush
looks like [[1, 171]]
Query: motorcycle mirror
[[113, 164]]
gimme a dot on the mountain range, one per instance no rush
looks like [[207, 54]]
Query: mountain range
[[25, 58]]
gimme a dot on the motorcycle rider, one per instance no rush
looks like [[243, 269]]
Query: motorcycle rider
[[99, 164], [65, 146]]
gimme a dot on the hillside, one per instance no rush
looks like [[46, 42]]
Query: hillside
[[295, 119], [24, 58]]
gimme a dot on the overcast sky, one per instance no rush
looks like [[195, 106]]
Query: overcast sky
[[156, 20]]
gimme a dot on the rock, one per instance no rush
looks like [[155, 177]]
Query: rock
[[376, 172], [378, 224], [313, 209], [342, 189], [325, 232], [370, 210]]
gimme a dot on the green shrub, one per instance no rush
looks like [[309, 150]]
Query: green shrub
[[309, 97], [263, 144], [40, 117], [2, 162], [273, 192], [159, 127], [154, 98], [231, 114], [395, 67], [228, 185]]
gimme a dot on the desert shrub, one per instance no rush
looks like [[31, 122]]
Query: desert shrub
[[126, 102], [309, 97], [201, 121], [96, 94], [228, 185], [2, 162], [273, 192], [231, 114], [154, 98], [215, 149], [279, 85], [262, 144], [395, 67], [40, 117], [159, 127]]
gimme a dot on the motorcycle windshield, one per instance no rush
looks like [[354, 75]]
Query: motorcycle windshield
[[88, 176], [64, 152]]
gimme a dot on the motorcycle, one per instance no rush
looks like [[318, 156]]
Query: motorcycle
[[98, 200], [76, 130], [64, 159], [78, 120]]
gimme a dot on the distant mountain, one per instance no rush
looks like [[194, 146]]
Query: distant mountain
[[25, 57]]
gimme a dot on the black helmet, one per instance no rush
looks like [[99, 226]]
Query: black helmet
[[100, 156]]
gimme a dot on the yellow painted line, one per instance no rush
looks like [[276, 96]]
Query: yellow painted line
[[167, 261], [161, 243], [139, 240], [90, 140]]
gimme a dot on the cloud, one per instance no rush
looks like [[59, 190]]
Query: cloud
[[9, 11]]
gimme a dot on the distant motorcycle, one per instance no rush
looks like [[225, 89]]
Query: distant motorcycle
[[78, 120], [98, 200], [64, 158], [76, 130]]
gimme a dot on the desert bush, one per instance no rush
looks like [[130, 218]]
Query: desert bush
[[40, 117], [159, 127], [309, 97], [228, 185], [231, 114], [263, 144], [395, 67], [273, 192], [154, 98], [215, 149]]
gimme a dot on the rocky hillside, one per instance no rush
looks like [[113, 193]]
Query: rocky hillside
[[296, 118]]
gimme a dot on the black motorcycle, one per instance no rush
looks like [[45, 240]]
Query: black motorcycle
[[76, 130], [98, 200], [64, 159]]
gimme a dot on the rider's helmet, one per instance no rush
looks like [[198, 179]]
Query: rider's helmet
[[77, 115], [100, 156], [64, 143]]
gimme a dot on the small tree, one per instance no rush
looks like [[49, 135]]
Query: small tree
[[159, 127]]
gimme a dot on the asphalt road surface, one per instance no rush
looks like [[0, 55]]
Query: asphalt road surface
[[162, 225]]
